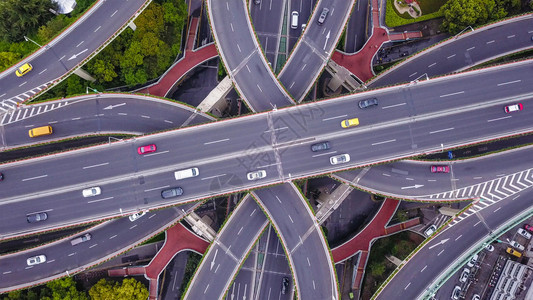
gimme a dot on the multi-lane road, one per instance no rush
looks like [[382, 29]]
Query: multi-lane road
[[418, 122]]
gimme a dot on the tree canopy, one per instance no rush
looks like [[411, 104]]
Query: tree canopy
[[459, 14], [19, 18], [129, 289]]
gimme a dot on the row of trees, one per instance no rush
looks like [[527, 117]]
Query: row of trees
[[459, 14], [66, 288]]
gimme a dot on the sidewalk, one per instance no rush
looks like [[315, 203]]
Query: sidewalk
[[178, 238], [361, 242], [191, 59], [360, 63]]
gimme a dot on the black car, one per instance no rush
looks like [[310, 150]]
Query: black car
[[173, 192], [33, 218], [368, 103], [285, 285], [320, 146]]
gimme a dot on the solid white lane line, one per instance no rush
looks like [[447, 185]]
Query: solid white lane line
[[231, 25], [239, 48], [74, 119], [395, 105], [432, 65], [291, 219], [98, 28], [423, 268], [112, 237], [442, 130], [332, 118], [384, 174], [133, 226], [239, 231], [259, 88], [497, 209], [157, 188], [490, 42], [71, 254], [114, 13], [50, 261], [23, 83], [167, 121], [450, 56], [509, 82], [155, 153], [42, 71], [36, 177], [210, 177], [219, 141], [497, 119], [452, 94], [92, 246], [471, 48], [205, 291], [146, 117], [384, 142], [79, 44], [407, 286], [308, 262], [151, 216], [327, 153], [99, 200], [279, 200], [94, 166], [6, 272], [511, 36], [440, 252], [477, 223], [413, 74], [458, 237]]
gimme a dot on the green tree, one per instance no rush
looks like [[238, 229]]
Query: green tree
[[7, 59], [129, 289], [103, 71], [64, 289], [377, 269], [52, 27], [23, 17], [74, 85]]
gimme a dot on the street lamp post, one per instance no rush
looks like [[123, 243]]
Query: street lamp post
[[27, 39]]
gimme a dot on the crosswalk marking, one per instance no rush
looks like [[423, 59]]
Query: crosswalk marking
[[28, 112], [489, 192]]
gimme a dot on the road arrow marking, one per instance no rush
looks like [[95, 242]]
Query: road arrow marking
[[76, 55], [113, 106], [214, 257], [440, 243], [327, 38], [412, 186]]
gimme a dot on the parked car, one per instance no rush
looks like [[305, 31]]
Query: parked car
[[430, 230], [472, 261], [37, 217], [35, 260], [464, 275], [513, 252], [489, 248], [320, 146], [476, 297], [171, 193], [350, 123], [516, 245], [440, 169], [83, 238], [284, 285], [256, 175], [23, 70], [339, 159], [146, 149], [91, 192], [514, 107], [137, 215], [528, 227], [524, 233], [323, 15], [456, 292], [368, 103]]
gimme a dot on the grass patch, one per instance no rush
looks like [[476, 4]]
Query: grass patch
[[394, 19]]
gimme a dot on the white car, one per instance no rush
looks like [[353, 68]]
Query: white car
[[517, 245], [339, 159], [464, 275], [472, 261], [256, 175], [430, 230], [456, 292], [489, 248], [135, 216], [524, 233], [90, 192], [35, 260]]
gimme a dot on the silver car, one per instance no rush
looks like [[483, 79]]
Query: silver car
[[90, 192], [323, 16]]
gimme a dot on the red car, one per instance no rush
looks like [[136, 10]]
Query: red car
[[513, 108], [528, 227], [146, 149], [440, 169]]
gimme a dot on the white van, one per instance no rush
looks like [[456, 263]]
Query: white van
[[294, 20], [187, 173]]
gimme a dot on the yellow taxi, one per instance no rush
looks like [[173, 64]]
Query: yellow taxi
[[22, 70], [350, 122]]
